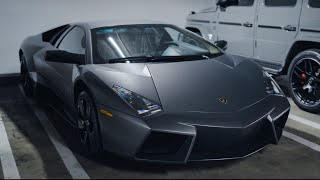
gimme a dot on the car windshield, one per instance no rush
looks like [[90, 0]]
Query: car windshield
[[140, 43]]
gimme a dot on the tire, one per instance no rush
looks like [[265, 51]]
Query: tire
[[304, 80], [89, 131], [27, 84]]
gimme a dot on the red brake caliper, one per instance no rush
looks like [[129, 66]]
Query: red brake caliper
[[304, 76]]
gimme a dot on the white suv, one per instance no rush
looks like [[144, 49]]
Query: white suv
[[283, 36]]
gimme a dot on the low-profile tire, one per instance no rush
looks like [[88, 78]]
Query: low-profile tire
[[26, 81], [304, 80], [88, 124]]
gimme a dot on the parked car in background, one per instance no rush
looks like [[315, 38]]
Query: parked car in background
[[283, 36]]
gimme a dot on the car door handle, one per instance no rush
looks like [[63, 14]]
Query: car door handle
[[247, 24], [290, 28]]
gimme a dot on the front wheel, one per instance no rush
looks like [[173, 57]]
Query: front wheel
[[25, 78], [304, 80], [89, 135]]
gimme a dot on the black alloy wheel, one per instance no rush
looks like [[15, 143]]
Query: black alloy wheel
[[89, 133], [304, 80]]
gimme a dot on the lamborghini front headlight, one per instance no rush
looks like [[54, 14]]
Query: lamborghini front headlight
[[140, 104], [271, 86]]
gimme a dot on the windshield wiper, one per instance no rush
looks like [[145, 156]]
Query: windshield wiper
[[184, 58], [141, 59], [136, 59]]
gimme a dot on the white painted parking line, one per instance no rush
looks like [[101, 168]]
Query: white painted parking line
[[9, 167], [301, 140], [74, 167], [304, 121]]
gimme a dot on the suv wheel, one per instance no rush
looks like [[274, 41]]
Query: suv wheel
[[304, 80]]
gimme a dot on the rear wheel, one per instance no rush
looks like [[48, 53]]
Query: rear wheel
[[89, 134], [304, 80], [26, 80]]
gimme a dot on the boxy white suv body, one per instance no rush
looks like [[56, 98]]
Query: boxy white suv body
[[283, 36]]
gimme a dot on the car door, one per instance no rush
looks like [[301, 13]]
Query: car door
[[278, 22], [63, 73], [236, 26], [205, 21]]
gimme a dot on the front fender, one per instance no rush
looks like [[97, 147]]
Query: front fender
[[104, 94]]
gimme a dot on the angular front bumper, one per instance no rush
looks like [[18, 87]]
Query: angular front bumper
[[179, 138]]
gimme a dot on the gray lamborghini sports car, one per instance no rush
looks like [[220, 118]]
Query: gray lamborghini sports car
[[155, 92]]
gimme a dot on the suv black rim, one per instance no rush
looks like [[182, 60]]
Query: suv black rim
[[85, 120], [305, 81]]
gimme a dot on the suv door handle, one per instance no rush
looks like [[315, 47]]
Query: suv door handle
[[247, 24], [290, 28]]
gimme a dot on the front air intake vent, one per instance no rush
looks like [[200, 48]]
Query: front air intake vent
[[162, 143]]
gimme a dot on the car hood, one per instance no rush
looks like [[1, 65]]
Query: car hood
[[200, 86], [191, 86]]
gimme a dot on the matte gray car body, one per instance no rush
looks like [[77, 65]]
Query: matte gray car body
[[193, 116]]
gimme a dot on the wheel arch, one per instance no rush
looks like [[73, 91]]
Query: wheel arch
[[28, 58], [80, 85], [28, 63], [296, 48], [20, 54]]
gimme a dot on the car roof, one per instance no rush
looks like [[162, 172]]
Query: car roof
[[104, 23]]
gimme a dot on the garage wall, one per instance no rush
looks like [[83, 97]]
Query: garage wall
[[21, 18]]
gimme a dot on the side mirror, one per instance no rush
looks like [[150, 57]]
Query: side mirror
[[64, 57], [222, 44], [226, 3]]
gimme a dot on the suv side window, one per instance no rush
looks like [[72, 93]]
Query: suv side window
[[74, 41], [245, 2], [277, 3], [177, 36], [314, 3]]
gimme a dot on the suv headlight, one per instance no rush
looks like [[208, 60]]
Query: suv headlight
[[142, 105], [271, 86]]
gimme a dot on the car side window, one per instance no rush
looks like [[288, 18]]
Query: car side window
[[60, 31], [74, 41], [314, 3], [280, 3]]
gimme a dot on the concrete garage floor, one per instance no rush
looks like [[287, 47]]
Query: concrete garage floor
[[36, 156]]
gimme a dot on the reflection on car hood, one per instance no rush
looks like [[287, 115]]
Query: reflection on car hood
[[192, 85], [201, 85]]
